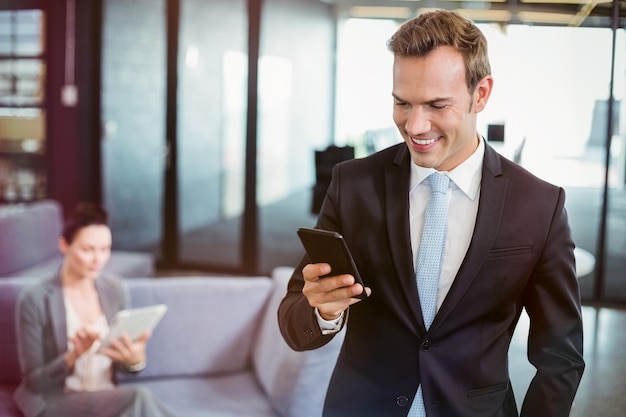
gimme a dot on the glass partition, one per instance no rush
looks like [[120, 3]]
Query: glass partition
[[133, 91], [213, 73], [553, 102], [614, 288], [295, 118], [550, 105]]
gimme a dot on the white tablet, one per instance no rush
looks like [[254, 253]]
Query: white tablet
[[135, 322]]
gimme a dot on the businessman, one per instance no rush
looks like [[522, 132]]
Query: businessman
[[452, 241]]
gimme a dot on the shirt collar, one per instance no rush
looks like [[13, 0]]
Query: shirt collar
[[466, 175]]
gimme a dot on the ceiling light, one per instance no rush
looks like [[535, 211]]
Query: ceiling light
[[380, 12], [542, 17], [564, 1], [486, 15], [476, 2]]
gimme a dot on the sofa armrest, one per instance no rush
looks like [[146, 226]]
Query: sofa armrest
[[295, 382]]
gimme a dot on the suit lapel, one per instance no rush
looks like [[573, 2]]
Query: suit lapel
[[56, 311], [490, 207], [108, 298], [397, 182]]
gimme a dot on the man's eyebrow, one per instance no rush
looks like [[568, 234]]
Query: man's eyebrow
[[428, 102], [438, 100]]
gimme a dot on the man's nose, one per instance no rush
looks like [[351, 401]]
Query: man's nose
[[418, 122]]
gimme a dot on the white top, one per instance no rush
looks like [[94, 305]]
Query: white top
[[92, 370]]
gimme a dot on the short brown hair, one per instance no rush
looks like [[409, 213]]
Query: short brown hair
[[85, 214], [429, 30]]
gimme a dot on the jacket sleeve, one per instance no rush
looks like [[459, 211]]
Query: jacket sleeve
[[555, 344], [39, 375], [296, 318]]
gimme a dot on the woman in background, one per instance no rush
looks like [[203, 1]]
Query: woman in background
[[60, 322]]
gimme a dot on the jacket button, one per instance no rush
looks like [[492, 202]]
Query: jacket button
[[402, 400], [426, 345]]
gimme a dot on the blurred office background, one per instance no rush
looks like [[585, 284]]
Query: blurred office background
[[196, 123]]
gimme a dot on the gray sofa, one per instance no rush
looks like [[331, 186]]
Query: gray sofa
[[217, 352], [28, 244]]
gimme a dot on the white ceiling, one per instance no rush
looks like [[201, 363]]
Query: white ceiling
[[586, 13]]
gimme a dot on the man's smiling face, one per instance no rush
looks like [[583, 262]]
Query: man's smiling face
[[433, 109]]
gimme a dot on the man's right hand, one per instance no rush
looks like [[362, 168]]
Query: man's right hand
[[330, 295]]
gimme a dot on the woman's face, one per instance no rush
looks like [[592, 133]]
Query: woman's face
[[90, 250]]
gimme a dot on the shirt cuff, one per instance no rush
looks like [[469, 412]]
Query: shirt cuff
[[329, 327]]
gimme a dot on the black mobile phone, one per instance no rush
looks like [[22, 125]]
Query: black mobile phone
[[330, 247]]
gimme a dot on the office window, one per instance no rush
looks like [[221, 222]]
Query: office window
[[548, 111]]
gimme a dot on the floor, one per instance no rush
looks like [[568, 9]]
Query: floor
[[218, 244]]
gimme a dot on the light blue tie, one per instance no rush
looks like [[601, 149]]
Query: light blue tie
[[429, 262]]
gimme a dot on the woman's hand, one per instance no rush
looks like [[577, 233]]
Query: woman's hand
[[82, 342], [127, 352]]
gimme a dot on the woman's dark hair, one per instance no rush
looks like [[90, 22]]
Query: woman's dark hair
[[85, 214]]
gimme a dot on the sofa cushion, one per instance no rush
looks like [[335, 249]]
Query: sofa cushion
[[29, 234], [295, 382], [209, 327], [231, 395]]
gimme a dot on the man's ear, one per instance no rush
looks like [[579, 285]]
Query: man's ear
[[482, 93]]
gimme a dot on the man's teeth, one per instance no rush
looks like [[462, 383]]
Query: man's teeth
[[423, 141]]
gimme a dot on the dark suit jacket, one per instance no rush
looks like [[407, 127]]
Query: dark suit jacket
[[42, 337], [520, 256]]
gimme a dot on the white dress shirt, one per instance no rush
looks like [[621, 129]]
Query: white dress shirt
[[463, 197]]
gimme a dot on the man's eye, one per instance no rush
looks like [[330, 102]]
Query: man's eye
[[400, 103], [439, 106]]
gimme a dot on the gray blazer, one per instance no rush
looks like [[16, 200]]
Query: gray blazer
[[42, 337]]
